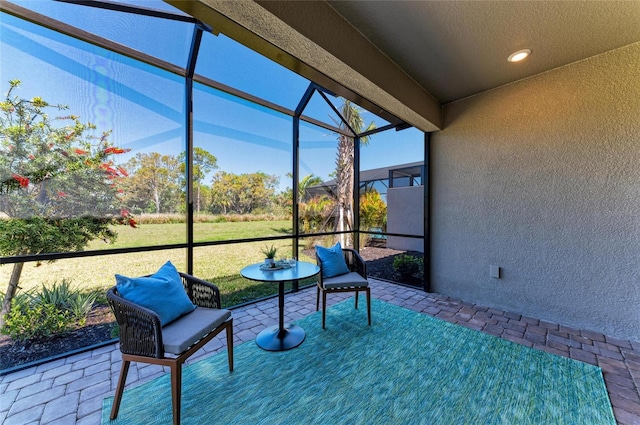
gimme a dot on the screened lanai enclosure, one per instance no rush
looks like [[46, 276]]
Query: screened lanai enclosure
[[178, 143]]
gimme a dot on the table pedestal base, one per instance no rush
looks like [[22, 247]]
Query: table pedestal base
[[274, 339]]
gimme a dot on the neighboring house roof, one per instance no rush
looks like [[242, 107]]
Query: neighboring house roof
[[412, 168]]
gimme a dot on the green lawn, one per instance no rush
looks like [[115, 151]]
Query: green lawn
[[161, 234], [218, 264]]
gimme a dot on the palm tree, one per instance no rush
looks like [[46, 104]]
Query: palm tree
[[307, 181], [344, 167]]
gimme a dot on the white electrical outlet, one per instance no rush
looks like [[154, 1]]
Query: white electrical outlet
[[494, 271]]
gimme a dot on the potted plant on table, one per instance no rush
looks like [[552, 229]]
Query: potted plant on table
[[269, 253]]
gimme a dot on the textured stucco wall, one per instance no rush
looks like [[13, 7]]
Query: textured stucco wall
[[542, 178], [405, 214]]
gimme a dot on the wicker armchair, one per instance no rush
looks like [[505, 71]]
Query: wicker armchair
[[143, 339], [354, 281]]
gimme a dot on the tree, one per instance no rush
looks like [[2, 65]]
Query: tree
[[344, 167], [58, 186], [243, 193], [153, 182], [203, 163], [305, 183]]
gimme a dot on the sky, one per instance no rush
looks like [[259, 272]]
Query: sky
[[144, 106]]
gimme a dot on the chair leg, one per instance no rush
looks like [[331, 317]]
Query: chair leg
[[324, 309], [120, 388], [230, 344], [368, 290], [176, 391], [357, 292], [317, 297]]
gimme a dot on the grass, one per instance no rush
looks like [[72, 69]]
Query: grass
[[218, 264], [172, 233]]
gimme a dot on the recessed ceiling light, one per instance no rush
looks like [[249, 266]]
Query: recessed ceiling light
[[519, 55]]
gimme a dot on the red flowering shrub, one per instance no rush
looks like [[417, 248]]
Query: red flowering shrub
[[58, 183]]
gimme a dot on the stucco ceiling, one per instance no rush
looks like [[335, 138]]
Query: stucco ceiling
[[455, 49]]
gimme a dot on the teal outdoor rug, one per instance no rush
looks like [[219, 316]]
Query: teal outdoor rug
[[407, 368]]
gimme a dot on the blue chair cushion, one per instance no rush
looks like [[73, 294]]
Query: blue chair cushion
[[332, 259], [162, 292]]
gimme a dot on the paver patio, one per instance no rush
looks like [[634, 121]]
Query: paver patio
[[71, 390]]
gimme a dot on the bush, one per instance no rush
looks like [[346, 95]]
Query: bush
[[407, 265], [373, 210], [51, 311], [58, 295], [80, 306], [41, 320], [65, 298], [209, 218], [315, 214]]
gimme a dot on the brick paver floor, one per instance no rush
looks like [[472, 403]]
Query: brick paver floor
[[71, 390]]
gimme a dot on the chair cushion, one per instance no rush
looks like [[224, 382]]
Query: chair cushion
[[332, 259], [161, 292], [190, 328], [351, 279]]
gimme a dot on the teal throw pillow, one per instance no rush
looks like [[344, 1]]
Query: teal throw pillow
[[161, 292], [332, 260]]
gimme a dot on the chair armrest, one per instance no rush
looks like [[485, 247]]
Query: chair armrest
[[200, 292], [319, 264], [355, 261], [140, 328]]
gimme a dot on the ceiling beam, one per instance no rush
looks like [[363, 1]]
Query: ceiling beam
[[312, 39]]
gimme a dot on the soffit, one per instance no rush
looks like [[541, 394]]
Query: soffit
[[291, 33], [409, 57], [455, 49]]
